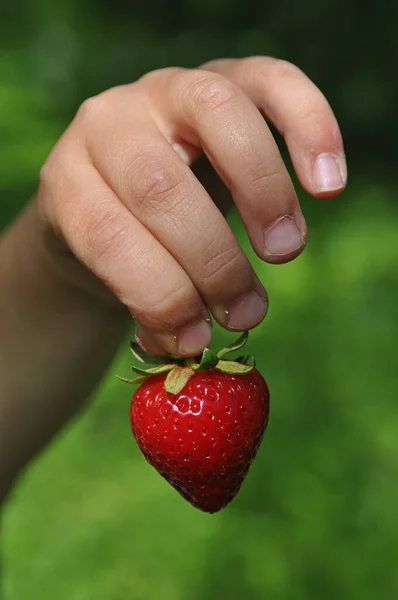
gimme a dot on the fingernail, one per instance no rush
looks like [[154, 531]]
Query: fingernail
[[329, 173], [284, 237], [146, 341], [193, 339], [246, 312]]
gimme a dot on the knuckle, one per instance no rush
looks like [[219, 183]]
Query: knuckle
[[156, 179], [268, 68], [285, 66], [164, 313], [256, 63], [209, 92], [160, 312], [95, 108], [279, 67], [313, 120], [87, 108], [222, 264], [262, 179], [275, 184], [153, 77], [312, 113]]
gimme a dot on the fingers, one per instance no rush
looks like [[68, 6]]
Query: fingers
[[300, 112], [126, 201], [123, 254], [211, 112], [161, 191]]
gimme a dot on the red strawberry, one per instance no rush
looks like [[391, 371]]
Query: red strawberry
[[200, 425]]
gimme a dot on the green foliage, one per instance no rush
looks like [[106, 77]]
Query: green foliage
[[317, 516]]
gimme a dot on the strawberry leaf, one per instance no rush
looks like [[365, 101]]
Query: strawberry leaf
[[153, 370], [237, 345], [177, 379], [246, 360], [146, 357], [135, 381], [232, 367]]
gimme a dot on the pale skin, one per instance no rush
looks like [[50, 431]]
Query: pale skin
[[122, 227]]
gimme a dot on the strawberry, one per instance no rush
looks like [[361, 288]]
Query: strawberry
[[200, 422]]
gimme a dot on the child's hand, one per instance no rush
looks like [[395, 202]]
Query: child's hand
[[118, 189]]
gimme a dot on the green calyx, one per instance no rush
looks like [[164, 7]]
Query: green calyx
[[181, 370]]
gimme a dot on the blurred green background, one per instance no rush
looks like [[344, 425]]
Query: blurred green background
[[317, 516]]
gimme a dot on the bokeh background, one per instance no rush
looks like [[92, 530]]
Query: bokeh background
[[317, 516]]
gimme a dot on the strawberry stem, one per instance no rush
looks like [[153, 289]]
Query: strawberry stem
[[208, 360]]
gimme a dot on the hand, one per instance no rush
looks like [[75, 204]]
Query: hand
[[119, 190]]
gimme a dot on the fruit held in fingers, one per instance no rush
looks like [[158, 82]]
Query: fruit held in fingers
[[200, 422]]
